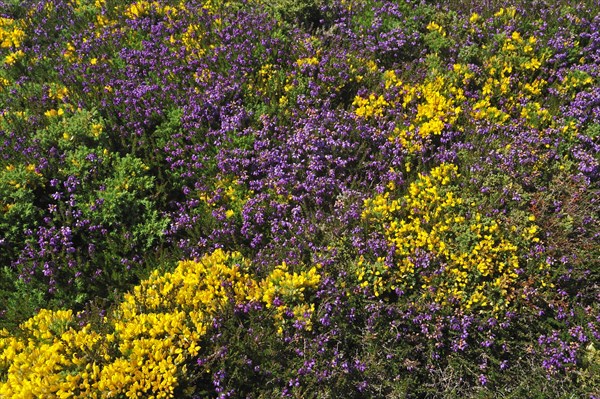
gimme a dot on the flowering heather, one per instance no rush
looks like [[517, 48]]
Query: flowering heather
[[252, 199]]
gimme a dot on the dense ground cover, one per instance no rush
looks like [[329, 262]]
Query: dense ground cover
[[303, 199]]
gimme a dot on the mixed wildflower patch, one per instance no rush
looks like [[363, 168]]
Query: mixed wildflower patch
[[450, 254], [145, 346], [299, 199]]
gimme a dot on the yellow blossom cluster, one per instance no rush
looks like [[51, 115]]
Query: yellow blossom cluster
[[435, 27], [13, 57], [452, 255], [282, 289], [18, 177], [270, 79], [369, 107], [360, 68], [192, 40], [373, 275], [510, 75], [507, 13], [194, 36], [436, 102], [69, 53], [143, 348], [58, 92], [535, 114], [3, 83], [373, 105], [307, 61], [233, 196], [141, 8], [390, 79], [574, 82], [426, 108], [11, 33]]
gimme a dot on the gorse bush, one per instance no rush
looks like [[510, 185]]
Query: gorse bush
[[299, 199], [145, 346], [455, 256]]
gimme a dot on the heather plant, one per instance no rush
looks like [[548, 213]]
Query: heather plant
[[390, 32], [83, 215]]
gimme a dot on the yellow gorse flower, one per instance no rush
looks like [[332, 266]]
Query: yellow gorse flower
[[436, 106], [11, 33], [372, 106], [476, 260], [150, 337], [307, 61], [282, 290], [434, 27], [13, 57], [137, 9]]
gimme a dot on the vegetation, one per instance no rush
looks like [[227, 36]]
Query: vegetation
[[305, 199]]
